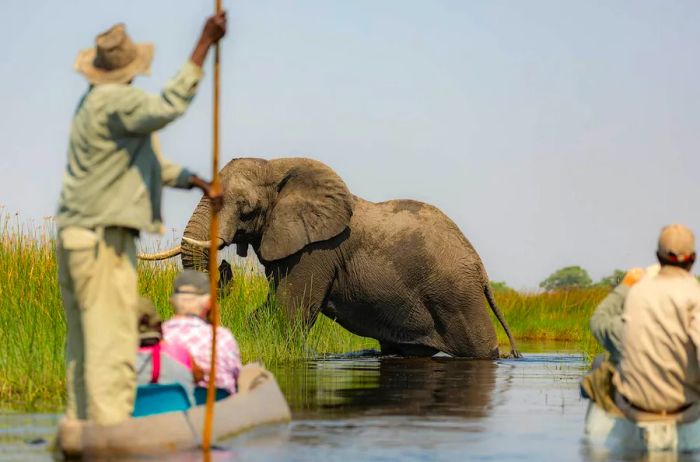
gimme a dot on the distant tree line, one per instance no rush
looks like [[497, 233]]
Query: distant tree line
[[575, 277], [570, 277]]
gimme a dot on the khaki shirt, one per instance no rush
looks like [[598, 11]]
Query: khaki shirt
[[658, 369], [115, 172]]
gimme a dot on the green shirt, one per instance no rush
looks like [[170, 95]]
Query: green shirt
[[115, 173]]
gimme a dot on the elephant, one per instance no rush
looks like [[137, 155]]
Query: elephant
[[398, 271]]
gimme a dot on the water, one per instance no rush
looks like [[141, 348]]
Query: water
[[396, 409]]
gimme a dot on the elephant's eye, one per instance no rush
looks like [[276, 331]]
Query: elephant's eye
[[245, 208], [247, 215], [247, 202]]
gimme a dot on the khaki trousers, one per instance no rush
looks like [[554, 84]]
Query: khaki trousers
[[97, 276]]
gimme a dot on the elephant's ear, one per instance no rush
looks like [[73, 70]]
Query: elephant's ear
[[313, 204]]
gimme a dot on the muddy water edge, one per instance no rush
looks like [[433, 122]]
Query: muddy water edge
[[400, 409]]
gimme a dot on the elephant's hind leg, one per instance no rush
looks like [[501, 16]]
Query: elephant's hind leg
[[476, 347], [463, 324]]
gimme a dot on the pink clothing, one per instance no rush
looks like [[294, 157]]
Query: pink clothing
[[195, 334], [178, 352]]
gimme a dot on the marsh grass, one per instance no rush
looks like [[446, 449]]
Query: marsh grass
[[31, 318], [32, 326], [561, 316]]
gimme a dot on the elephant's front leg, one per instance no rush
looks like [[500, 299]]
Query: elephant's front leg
[[301, 295]]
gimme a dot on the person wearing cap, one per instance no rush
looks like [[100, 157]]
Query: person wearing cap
[[606, 327], [188, 327], [111, 192], [158, 361], [658, 370]]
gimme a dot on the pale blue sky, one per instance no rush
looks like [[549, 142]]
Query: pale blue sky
[[552, 132]]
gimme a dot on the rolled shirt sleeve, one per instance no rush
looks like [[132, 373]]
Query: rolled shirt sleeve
[[141, 113], [606, 322]]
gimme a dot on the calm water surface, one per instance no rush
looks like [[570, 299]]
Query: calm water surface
[[394, 409]]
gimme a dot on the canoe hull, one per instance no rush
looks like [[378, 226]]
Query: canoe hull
[[260, 402], [618, 434]]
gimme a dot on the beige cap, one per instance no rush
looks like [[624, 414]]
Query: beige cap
[[676, 243]]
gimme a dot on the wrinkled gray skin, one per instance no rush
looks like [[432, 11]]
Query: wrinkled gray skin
[[398, 271]]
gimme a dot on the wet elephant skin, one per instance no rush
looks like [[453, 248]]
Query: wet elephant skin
[[398, 271]]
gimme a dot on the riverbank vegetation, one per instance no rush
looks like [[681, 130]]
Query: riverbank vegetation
[[560, 316], [32, 326]]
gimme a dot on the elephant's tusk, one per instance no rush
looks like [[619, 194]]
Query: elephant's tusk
[[203, 244], [161, 255]]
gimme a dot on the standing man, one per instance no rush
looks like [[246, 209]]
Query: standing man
[[112, 191], [658, 370]]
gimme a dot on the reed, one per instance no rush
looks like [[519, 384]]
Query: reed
[[32, 326], [561, 316]]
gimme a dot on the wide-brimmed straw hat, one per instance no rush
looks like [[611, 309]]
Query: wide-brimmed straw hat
[[115, 58]]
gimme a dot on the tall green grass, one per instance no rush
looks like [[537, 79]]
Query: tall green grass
[[32, 326], [561, 316], [263, 333]]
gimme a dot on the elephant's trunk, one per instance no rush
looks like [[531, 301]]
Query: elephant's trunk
[[197, 228], [203, 244]]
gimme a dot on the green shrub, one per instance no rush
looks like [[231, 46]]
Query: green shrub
[[571, 277]]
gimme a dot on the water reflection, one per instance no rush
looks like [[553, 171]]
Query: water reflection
[[378, 409], [345, 388], [25, 436], [599, 455]]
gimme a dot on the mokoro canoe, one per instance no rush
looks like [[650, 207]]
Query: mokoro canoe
[[258, 402], [619, 434]]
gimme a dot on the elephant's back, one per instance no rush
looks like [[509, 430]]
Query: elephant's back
[[407, 216], [413, 229]]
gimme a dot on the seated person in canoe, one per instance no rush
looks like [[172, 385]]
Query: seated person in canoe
[[654, 374], [189, 328], [161, 362], [658, 370]]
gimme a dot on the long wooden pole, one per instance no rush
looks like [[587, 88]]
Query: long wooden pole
[[213, 270]]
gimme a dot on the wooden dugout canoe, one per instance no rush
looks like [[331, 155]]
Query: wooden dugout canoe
[[618, 434], [258, 402]]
